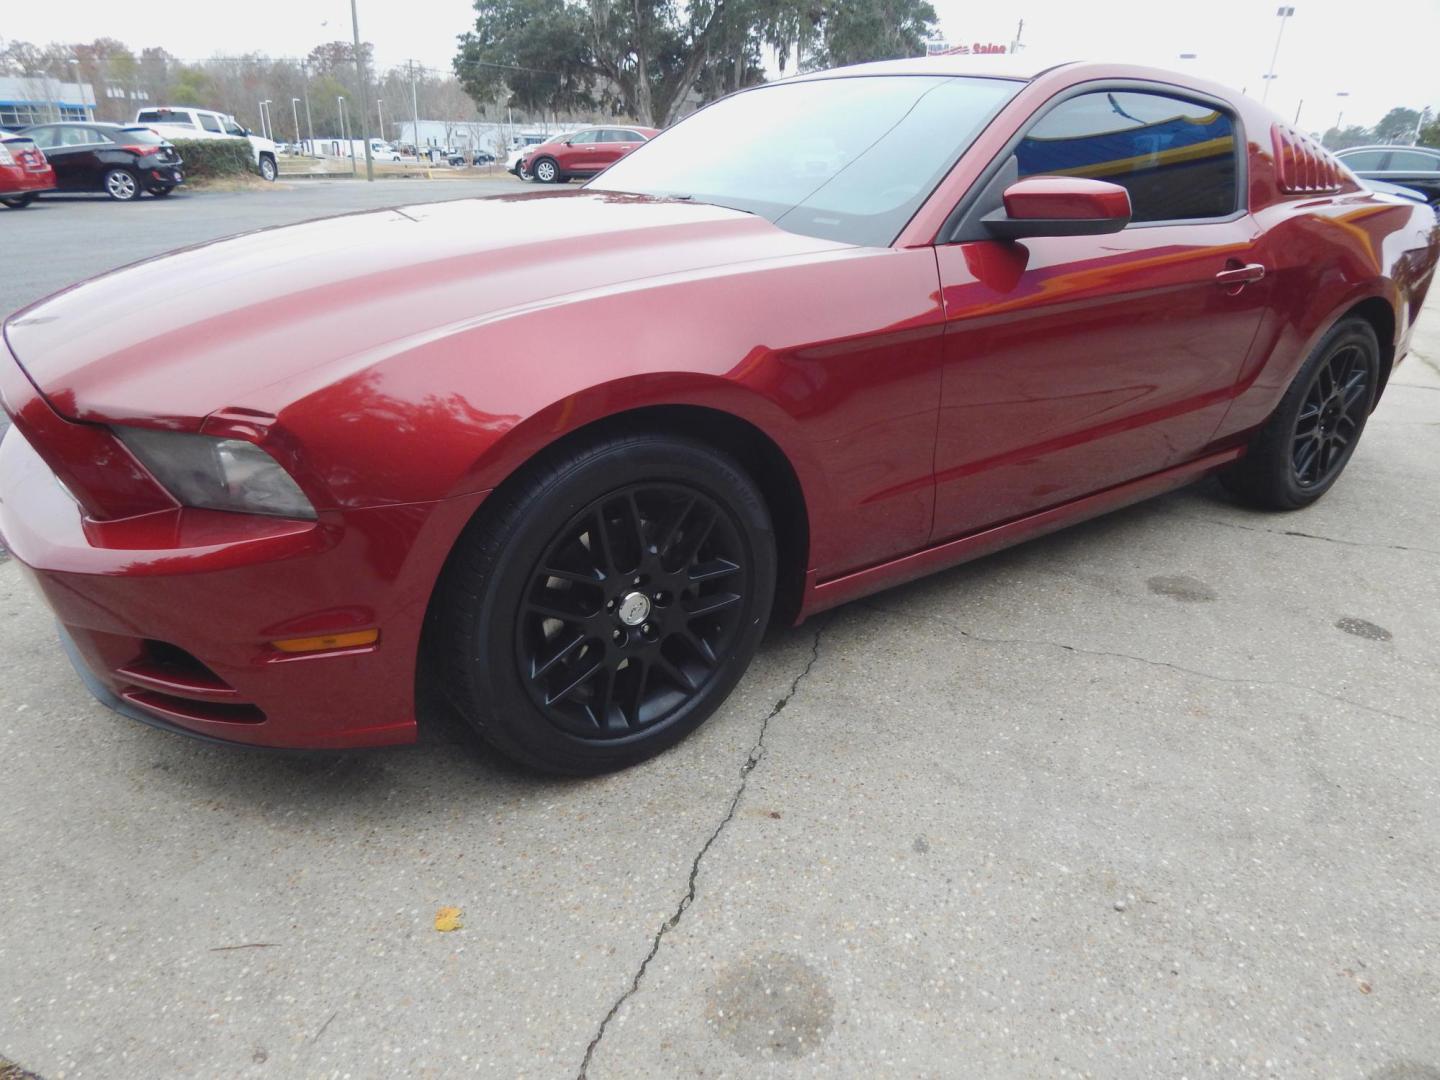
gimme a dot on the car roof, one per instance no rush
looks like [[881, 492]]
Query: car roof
[[79, 123], [1023, 66], [1430, 150]]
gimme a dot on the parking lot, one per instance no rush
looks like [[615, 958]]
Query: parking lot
[[1153, 796]]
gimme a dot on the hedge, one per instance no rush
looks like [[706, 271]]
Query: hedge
[[206, 159]]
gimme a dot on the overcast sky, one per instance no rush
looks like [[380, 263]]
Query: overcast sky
[[1383, 57]]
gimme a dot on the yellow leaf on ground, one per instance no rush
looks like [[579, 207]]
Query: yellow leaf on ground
[[447, 919]]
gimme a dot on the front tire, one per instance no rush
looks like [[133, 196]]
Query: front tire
[[19, 202], [268, 169], [122, 185], [546, 171], [1309, 439], [601, 608]]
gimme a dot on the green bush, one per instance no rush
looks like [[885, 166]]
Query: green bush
[[206, 159]]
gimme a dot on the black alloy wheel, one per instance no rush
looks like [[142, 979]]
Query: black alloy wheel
[[1300, 452], [604, 601], [631, 608], [1331, 417]]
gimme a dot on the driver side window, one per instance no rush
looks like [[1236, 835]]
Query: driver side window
[[1177, 158]]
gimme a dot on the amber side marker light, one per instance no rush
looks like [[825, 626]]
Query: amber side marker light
[[328, 641]]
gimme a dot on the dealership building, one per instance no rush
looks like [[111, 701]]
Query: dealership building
[[35, 99]]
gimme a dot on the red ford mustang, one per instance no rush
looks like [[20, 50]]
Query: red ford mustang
[[565, 454]]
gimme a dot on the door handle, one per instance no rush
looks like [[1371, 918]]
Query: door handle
[[1236, 274]]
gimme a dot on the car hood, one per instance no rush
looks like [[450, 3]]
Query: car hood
[[179, 336]]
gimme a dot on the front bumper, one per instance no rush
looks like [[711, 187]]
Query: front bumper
[[172, 613]]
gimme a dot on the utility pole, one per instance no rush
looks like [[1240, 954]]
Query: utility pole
[[1341, 114], [1015, 45], [295, 115], [414, 110], [1284, 13], [1297, 112], [364, 96]]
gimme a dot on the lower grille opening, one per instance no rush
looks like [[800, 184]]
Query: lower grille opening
[[170, 707], [170, 670]]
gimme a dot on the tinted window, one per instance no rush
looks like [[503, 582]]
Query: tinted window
[[1176, 158], [164, 116], [632, 136], [1410, 161], [1365, 159], [44, 137], [78, 136], [613, 137], [585, 137], [209, 123], [848, 159], [232, 128]]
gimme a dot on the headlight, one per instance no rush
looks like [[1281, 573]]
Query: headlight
[[217, 474]]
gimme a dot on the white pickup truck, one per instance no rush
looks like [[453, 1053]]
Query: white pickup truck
[[183, 122]]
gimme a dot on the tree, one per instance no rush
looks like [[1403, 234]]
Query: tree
[[1344, 138], [1397, 126], [534, 53], [857, 31], [642, 57], [1430, 134]]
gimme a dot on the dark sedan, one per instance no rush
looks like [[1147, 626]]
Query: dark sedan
[[1415, 167], [122, 161]]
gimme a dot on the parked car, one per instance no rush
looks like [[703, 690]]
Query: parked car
[[1020, 298], [520, 146], [1416, 167], [24, 172], [583, 153], [184, 122], [380, 150], [122, 161], [482, 157]]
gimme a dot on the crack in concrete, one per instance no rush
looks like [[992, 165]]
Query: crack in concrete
[[1308, 536], [1064, 647], [757, 752]]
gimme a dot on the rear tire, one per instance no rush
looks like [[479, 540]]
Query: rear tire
[[600, 608], [546, 171], [19, 202], [1309, 439], [122, 185]]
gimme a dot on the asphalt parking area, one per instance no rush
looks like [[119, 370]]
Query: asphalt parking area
[[1154, 796]]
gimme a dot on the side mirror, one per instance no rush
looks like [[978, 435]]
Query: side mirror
[[1060, 206], [569, 143]]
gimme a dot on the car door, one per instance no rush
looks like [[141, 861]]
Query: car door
[[611, 148], [70, 154], [1074, 363], [577, 153]]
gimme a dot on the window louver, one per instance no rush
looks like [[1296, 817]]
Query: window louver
[[1302, 166]]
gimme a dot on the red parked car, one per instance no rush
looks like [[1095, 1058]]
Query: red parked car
[[565, 454], [582, 153], [24, 172]]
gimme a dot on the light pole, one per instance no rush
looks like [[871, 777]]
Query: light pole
[[1341, 114], [266, 123], [1284, 13], [349, 150], [364, 105], [305, 89], [380, 113], [295, 115]]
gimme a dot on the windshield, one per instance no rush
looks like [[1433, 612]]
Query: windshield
[[847, 159], [164, 116]]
